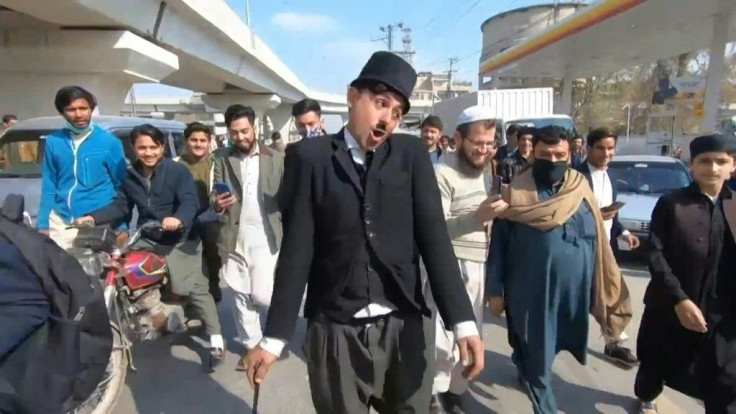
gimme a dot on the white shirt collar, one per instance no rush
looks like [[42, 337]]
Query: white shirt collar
[[596, 169], [354, 148]]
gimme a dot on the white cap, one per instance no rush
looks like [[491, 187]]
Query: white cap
[[476, 113]]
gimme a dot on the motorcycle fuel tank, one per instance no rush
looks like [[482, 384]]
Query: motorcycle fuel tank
[[144, 269]]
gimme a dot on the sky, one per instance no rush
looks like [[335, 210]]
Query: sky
[[326, 42]]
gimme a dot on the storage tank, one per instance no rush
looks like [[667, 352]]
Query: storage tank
[[510, 28]]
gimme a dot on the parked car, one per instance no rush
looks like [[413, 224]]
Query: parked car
[[640, 181], [22, 147]]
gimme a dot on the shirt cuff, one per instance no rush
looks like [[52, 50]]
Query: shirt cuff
[[272, 345], [465, 329]]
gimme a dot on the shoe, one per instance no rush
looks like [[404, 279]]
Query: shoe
[[174, 324], [620, 355], [452, 403], [435, 405], [241, 365], [217, 355], [648, 407]]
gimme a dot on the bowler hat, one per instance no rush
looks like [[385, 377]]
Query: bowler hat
[[391, 70]]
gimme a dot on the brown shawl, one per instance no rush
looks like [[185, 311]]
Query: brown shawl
[[612, 304]]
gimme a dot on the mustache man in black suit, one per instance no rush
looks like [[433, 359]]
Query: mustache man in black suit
[[359, 208]]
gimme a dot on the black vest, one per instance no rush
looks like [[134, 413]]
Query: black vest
[[368, 279]]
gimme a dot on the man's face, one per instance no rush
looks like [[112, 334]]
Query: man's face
[[712, 168], [78, 113], [602, 152], [445, 142], [10, 123], [525, 144], [242, 134], [577, 144], [373, 117], [149, 152], [554, 153], [198, 144], [478, 147], [308, 122], [430, 136]]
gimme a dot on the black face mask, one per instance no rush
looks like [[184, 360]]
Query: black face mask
[[549, 172]]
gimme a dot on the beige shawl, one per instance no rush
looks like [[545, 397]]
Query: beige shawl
[[612, 305]]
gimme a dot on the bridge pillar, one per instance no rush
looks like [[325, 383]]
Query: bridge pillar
[[38, 62], [261, 104], [280, 121], [716, 66]]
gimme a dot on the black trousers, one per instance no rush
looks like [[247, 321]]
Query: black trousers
[[209, 233], [385, 362]]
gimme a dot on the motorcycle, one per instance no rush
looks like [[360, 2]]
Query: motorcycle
[[133, 282]]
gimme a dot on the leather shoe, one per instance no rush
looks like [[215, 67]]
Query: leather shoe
[[435, 405], [452, 403]]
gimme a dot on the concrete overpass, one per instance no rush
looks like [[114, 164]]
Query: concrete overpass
[[108, 45]]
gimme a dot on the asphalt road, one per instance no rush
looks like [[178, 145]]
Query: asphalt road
[[170, 378]]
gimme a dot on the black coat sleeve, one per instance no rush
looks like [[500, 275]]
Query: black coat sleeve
[[664, 284], [297, 246], [116, 211], [433, 241], [187, 200]]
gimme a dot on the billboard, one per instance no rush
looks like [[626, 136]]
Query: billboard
[[679, 90]]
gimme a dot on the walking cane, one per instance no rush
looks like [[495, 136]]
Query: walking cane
[[255, 398]]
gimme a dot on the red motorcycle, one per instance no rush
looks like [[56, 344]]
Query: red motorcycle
[[133, 282]]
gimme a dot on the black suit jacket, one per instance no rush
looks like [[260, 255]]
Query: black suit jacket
[[326, 212], [617, 229]]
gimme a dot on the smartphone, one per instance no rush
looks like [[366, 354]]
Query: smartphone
[[496, 184], [614, 207], [221, 188]]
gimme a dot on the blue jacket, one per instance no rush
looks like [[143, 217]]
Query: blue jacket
[[172, 193], [75, 184]]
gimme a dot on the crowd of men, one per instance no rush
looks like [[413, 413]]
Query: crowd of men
[[400, 252]]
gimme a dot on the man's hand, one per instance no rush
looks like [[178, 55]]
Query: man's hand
[[224, 201], [631, 240], [257, 363], [171, 224], [497, 305], [690, 316], [490, 208], [86, 221], [608, 214], [472, 356], [44, 232]]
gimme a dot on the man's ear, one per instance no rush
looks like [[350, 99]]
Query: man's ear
[[353, 97]]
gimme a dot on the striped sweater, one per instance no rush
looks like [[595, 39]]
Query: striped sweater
[[461, 196]]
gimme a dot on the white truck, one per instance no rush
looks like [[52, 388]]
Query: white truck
[[527, 107]]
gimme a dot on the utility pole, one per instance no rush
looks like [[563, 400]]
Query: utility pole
[[407, 53], [247, 13], [453, 61]]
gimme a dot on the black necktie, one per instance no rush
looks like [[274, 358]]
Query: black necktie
[[363, 169]]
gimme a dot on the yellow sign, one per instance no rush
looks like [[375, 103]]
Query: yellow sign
[[699, 111]]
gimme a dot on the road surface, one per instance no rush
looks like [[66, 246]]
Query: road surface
[[170, 379]]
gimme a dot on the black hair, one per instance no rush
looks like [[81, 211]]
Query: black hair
[[276, 135], [377, 88], [432, 121], [521, 131], [148, 130], [9, 117], [512, 129], [306, 105], [197, 127], [599, 134], [464, 129], [237, 111], [69, 94], [550, 135]]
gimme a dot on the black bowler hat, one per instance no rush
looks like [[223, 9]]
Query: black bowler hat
[[712, 143], [391, 70]]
